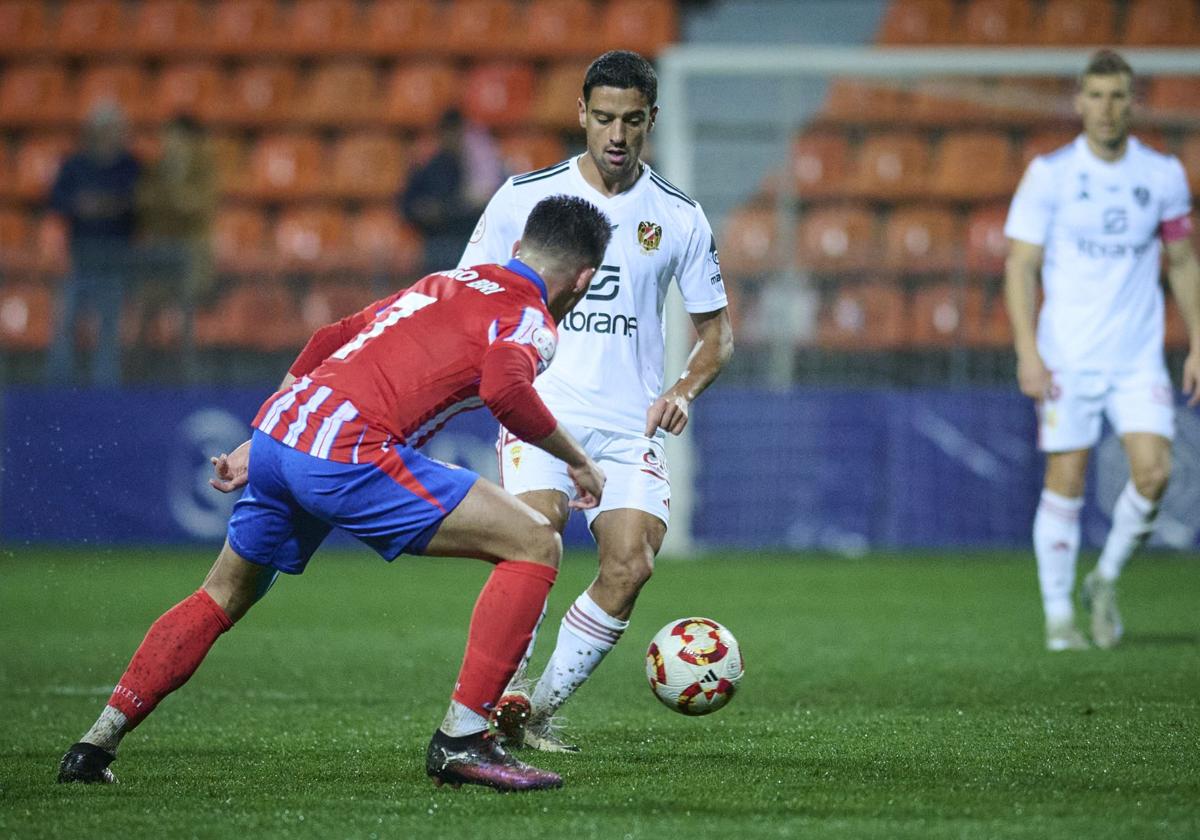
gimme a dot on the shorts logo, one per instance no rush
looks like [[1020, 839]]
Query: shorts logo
[[649, 236], [514, 455], [654, 465]]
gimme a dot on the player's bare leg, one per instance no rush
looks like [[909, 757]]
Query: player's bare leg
[[1056, 536], [173, 649], [1132, 520], [628, 541], [494, 526]]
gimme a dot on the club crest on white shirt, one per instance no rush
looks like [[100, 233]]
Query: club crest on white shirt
[[649, 236]]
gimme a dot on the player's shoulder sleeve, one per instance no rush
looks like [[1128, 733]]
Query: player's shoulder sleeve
[[526, 323], [698, 273], [1177, 196], [1032, 209], [498, 228]]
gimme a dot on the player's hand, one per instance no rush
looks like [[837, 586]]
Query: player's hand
[[1033, 377], [589, 485], [669, 412], [233, 470], [1191, 378]]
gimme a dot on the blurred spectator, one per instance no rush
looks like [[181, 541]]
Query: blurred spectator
[[94, 192], [446, 195], [176, 202]]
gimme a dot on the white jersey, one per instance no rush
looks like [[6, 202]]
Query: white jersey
[[609, 365], [1099, 224]]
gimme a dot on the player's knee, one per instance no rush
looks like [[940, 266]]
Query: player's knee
[[1150, 481], [543, 544], [629, 573]]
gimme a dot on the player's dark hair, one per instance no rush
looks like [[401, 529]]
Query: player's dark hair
[[622, 69], [1106, 63], [568, 228]]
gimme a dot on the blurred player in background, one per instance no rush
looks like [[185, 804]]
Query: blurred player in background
[[1090, 216], [336, 446], [608, 384]]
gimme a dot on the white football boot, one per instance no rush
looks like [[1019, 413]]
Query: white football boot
[[1100, 598]]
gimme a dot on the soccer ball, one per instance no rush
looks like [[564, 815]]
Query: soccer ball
[[694, 666]]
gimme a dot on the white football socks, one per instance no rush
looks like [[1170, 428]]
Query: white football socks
[[586, 634], [108, 730], [1132, 520], [1056, 545], [460, 721]]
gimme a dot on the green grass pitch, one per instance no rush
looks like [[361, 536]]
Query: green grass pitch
[[899, 696]]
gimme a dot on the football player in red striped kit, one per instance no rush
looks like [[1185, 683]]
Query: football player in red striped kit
[[336, 446]]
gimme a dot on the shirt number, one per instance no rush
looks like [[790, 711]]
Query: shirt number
[[402, 308]]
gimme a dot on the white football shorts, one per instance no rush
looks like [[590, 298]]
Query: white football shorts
[[1071, 416], [635, 470]]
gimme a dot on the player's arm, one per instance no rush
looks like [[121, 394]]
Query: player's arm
[[232, 469], [1021, 270], [1183, 275], [713, 347], [506, 388]]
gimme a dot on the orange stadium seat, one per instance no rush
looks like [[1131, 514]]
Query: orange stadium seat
[[315, 27], [1189, 156], [124, 84], [819, 166], [260, 314], [1033, 101], [50, 242], [1078, 22], [832, 239], [380, 242], [196, 88], [917, 22], [261, 95], [986, 244], [37, 163], [368, 165], [1161, 23], [397, 27], [920, 239], [167, 27], [1175, 99], [245, 27], [229, 158], [526, 151], [240, 240], [892, 166], [311, 237], [975, 165], [87, 27], [997, 22], [329, 301], [6, 170], [475, 27], [855, 102], [1044, 142], [34, 95], [950, 101], [499, 94], [750, 243], [946, 315], [644, 26], [863, 316], [284, 167], [23, 27], [26, 316], [16, 239], [556, 104], [417, 94], [558, 29], [341, 93]]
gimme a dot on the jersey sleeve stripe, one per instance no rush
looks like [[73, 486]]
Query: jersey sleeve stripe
[[669, 189], [539, 174]]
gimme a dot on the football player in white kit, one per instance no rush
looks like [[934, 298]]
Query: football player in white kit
[[606, 384], [1091, 216]]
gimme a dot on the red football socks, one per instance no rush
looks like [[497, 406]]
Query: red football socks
[[173, 649], [502, 624]]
